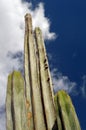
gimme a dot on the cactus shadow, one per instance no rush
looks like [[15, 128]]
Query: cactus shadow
[[55, 127]]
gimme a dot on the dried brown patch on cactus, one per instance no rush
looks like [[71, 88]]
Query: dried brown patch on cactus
[[48, 79], [28, 123], [27, 104], [45, 61], [29, 116]]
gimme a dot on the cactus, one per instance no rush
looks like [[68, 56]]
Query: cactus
[[41, 93], [45, 81], [30, 103], [27, 74], [9, 104], [34, 84], [15, 103], [66, 115]]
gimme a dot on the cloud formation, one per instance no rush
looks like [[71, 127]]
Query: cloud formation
[[12, 32], [2, 118], [62, 82], [83, 86]]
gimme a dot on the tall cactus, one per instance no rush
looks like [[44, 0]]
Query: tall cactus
[[66, 115], [45, 81], [42, 100], [16, 103], [9, 104], [27, 74], [30, 103], [35, 86]]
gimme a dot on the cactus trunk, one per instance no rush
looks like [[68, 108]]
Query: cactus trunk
[[45, 81], [66, 115], [27, 78], [15, 104], [30, 103], [35, 86], [8, 104]]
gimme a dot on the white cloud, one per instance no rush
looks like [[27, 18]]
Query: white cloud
[[40, 20], [12, 35], [2, 118], [83, 86], [62, 82]]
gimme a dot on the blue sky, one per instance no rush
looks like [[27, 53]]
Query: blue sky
[[66, 53], [68, 21]]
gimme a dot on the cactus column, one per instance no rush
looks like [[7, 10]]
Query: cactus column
[[27, 76], [15, 103], [66, 115], [35, 99], [40, 82], [45, 81], [30, 101], [38, 116]]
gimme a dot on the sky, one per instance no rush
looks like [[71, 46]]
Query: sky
[[63, 24]]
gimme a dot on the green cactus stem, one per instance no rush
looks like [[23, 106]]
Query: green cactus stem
[[66, 115], [9, 121], [15, 102]]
